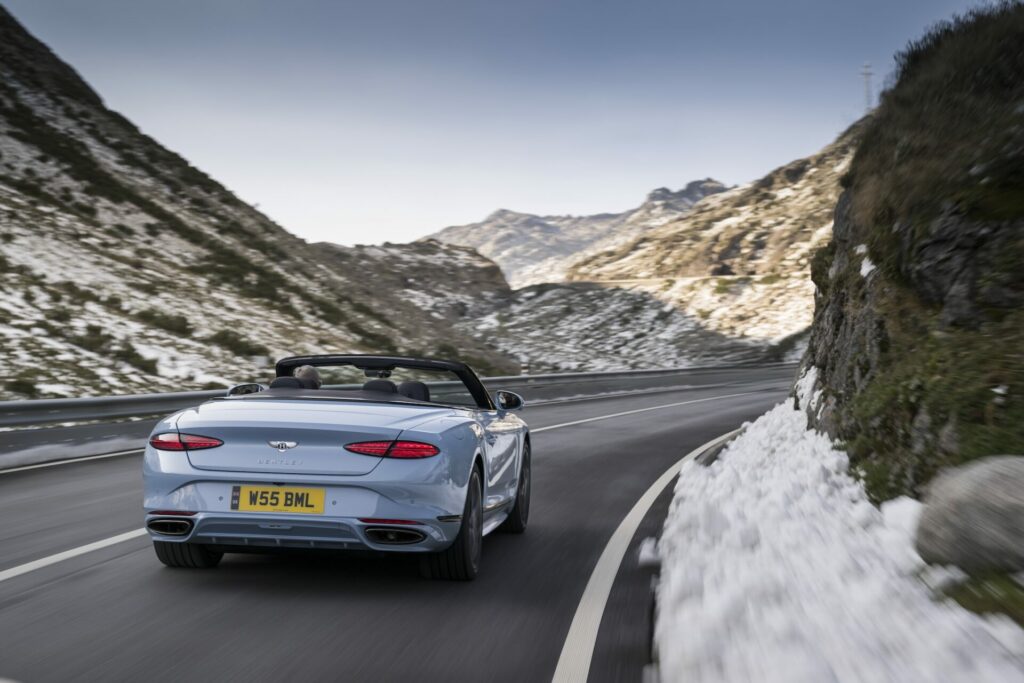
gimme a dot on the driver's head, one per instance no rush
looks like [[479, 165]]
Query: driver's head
[[309, 375]]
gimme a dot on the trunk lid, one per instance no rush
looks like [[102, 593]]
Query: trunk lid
[[318, 429]]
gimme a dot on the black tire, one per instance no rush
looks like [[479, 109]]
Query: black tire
[[518, 517], [461, 560], [186, 555]]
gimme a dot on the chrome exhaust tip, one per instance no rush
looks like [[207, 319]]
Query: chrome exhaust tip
[[170, 527], [394, 535]]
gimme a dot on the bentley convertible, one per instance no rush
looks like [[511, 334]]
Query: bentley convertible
[[388, 454]]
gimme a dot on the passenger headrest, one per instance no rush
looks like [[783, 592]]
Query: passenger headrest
[[414, 390], [286, 383], [384, 385]]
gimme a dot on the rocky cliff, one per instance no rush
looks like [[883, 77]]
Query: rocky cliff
[[123, 268], [918, 334]]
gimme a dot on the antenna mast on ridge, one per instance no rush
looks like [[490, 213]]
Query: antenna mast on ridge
[[866, 73]]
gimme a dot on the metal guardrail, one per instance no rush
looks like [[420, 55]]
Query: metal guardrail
[[532, 387]]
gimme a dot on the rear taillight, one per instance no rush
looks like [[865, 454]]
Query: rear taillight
[[394, 449], [172, 441]]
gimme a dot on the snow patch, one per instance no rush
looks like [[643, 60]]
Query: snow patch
[[866, 267], [776, 567]]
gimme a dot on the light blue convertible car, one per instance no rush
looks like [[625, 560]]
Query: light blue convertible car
[[389, 454]]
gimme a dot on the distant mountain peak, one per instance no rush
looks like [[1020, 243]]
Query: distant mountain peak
[[531, 248], [693, 191]]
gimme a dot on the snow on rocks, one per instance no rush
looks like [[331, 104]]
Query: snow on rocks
[[776, 567], [866, 267]]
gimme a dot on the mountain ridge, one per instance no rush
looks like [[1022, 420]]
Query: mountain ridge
[[533, 248], [125, 269]]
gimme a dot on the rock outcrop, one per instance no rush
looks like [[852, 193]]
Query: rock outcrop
[[974, 517], [918, 333]]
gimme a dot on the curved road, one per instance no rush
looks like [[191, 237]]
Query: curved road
[[117, 614]]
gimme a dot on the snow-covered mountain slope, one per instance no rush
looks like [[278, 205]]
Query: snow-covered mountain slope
[[125, 269], [533, 249], [579, 326], [739, 260]]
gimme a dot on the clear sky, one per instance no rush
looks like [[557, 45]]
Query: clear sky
[[371, 120]]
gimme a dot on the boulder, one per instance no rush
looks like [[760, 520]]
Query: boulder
[[974, 516]]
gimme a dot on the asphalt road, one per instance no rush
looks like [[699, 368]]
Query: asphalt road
[[117, 614]]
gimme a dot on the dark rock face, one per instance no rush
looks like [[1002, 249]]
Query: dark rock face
[[848, 334], [891, 345], [974, 517], [918, 335], [951, 265]]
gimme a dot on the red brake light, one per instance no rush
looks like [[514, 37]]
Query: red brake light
[[394, 449], [412, 449], [172, 441], [378, 448]]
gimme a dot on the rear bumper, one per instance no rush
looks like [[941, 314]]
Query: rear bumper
[[427, 492], [265, 530]]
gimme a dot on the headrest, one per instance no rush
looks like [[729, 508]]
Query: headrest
[[414, 390], [286, 383], [384, 385]]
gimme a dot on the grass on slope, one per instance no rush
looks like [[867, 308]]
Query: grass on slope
[[952, 126]]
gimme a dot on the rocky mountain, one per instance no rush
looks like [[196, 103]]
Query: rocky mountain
[[918, 338], [738, 261], [125, 269], [568, 327], [533, 249], [725, 278]]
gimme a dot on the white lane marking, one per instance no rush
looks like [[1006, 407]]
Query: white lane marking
[[68, 554], [578, 649], [70, 461], [640, 410]]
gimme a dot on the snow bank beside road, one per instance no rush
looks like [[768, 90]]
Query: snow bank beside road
[[776, 567]]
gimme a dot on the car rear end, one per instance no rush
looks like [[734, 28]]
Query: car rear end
[[252, 474]]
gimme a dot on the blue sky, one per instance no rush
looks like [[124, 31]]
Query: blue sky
[[374, 120]]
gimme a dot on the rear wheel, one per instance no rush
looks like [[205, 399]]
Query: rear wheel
[[517, 518], [461, 560], [186, 555]]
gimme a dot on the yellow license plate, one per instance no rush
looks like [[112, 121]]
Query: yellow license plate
[[277, 499]]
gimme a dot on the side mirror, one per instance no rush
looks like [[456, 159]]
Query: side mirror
[[508, 401], [243, 389]]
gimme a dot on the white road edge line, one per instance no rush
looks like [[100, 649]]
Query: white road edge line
[[68, 554], [81, 550], [578, 649], [640, 410], [70, 461]]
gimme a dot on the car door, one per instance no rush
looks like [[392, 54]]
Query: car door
[[501, 445]]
